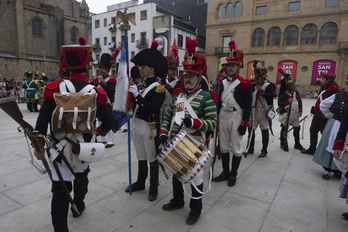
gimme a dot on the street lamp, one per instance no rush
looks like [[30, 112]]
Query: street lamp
[[43, 52]]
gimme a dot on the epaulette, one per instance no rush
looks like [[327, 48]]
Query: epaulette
[[112, 80], [102, 96], [160, 89], [332, 88], [245, 83], [214, 96], [51, 88]]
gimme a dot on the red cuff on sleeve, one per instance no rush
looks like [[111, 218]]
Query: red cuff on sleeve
[[339, 145], [101, 83], [163, 132], [196, 123]]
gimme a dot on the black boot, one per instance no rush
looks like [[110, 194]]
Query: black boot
[[283, 140], [296, 134], [313, 143], [142, 175], [80, 191], [177, 202], [30, 106], [153, 191], [195, 206], [265, 140], [225, 159], [234, 171], [35, 106], [60, 207]]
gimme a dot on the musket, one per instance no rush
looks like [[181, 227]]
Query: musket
[[49, 146], [304, 118], [11, 108], [285, 132]]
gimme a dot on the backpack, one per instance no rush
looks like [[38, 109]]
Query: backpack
[[75, 112]]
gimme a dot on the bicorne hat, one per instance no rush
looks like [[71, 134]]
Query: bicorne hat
[[153, 58]]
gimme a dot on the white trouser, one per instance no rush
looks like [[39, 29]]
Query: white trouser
[[229, 138], [66, 173], [260, 119], [144, 146]]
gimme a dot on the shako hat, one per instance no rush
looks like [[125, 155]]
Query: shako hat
[[328, 76], [153, 58], [193, 61], [173, 58], [260, 70], [76, 56], [233, 55]]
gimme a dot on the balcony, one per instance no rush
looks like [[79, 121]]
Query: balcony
[[221, 51], [143, 43], [96, 48], [342, 46], [112, 27], [112, 46]]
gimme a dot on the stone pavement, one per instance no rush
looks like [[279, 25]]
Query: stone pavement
[[282, 192]]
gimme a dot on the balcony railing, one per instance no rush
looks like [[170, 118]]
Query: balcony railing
[[96, 48], [112, 46], [221, 51], [112, 27], [95, 62], [143, 43]]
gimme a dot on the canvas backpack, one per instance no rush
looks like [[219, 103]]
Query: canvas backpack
[[75, 112]]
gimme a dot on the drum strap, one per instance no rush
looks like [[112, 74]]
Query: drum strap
[[199, 191], [190, 111]]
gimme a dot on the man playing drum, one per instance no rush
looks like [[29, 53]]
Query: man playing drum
[[235, 107], [194, 108]]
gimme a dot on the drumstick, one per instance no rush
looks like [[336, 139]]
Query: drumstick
[[164, 171]]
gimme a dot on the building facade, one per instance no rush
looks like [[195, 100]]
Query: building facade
[[32, 32], [152, 23], [305, 38]]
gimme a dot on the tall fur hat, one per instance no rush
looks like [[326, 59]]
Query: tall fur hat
[[75, 57], [193, 61], [234, 55]]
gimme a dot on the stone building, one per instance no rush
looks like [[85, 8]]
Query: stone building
[[305, 38], [32, 32]]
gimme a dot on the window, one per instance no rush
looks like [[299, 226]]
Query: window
[[132, 54], [229, 10], [132, 38], [258, 39], [291, 35], [97, 23], [143, 39], [188, 17], [143, 15], [36, 27], [294, 6], [73, 34], [309, 34], [180, 41], [330, 3], [113, 20], [238, 9], [261, 10], [328, 33], [105, 40], [226, 40], [273, 38], [105, 23], [221, 11], [97, 41]]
